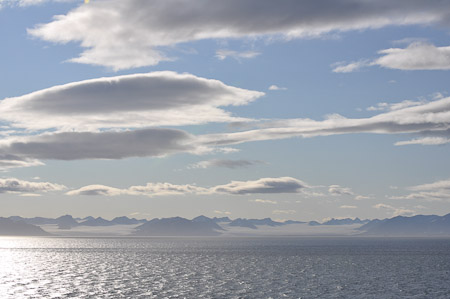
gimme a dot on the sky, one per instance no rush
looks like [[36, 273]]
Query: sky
[[303, 110]]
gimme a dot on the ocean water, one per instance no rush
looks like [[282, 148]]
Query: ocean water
[[224, 268]]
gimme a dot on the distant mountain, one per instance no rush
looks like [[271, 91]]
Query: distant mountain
[[125, 220], [313, 223], [242, 222], [420, 225], [178, 226], [206, 220], [9, 227], [252, 223], [293, 222], [345, 221], [221, 219], [99, 221], [66, 222]]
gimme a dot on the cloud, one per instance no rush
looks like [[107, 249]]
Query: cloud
[[134, 33], [225, 163], [436, 191], [151, 189], [342, 67], [425, 141], [396, 106], [223, 54], [285, 212], [417, 56], [261, 186], [138, 100], [431, 118], [395, 211], [25, 3], [338, 190], [19, 186], [348, 207], [275, 87], [152, 142], [8, 161], [222, 212], [264, 201]]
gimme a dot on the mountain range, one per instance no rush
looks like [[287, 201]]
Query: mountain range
[[420, 225]]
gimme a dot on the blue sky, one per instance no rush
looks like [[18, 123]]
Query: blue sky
[[292, 110]]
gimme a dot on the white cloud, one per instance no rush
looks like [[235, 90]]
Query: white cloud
[[425, 141], [437, 191], [127, 34], [8, 161], [425, 119], [338, 190], [396, 106], [222, 54], [222, 212], [417, 56], [348, 207], [395, 211], [224, 163], [21, 186], [342, 67], [261, 186], [275, 87], [138, 100], [285, 212], [264, 201]]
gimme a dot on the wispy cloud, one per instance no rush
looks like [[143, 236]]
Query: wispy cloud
[[395, 211], [264, 201], [224, 54], [276, 87]]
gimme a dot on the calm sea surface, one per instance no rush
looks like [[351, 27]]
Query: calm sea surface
[[224, 268]]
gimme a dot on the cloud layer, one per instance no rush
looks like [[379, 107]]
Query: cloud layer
[[261, 186], [19, 186], [128, 34], [431, 118], [139, 100]]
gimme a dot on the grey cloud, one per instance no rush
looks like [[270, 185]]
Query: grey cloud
[[261, 186], [139, 100], [126, 34], [20, 186], [102, 145], [225, 163]]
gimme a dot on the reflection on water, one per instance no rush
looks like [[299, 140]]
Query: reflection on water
[[223, 268]]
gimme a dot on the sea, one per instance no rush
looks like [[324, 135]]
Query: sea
[[217, 267]]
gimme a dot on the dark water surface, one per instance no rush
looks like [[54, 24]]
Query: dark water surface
[[224, 268]]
